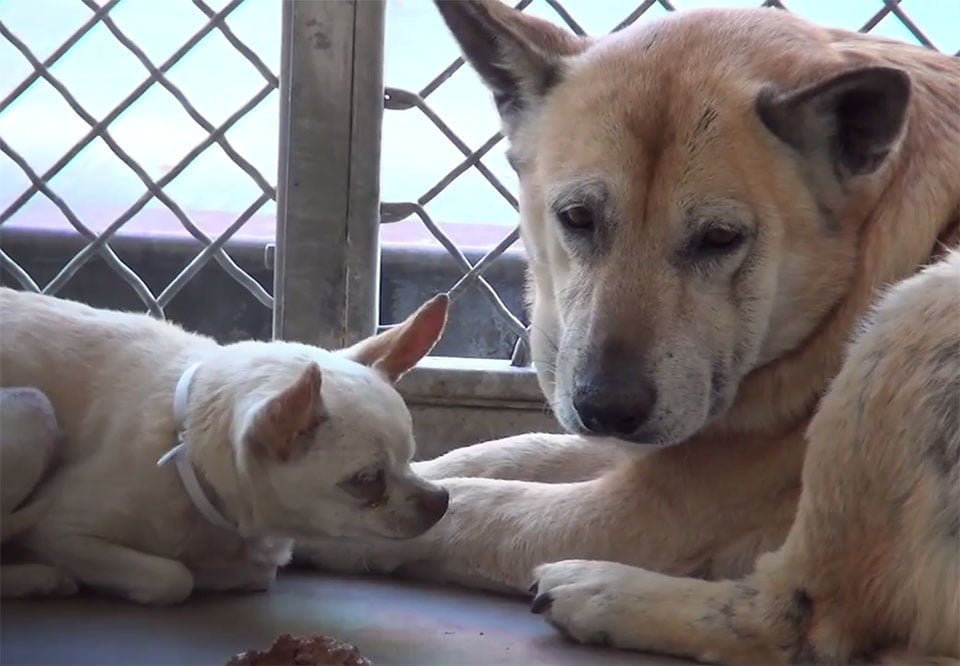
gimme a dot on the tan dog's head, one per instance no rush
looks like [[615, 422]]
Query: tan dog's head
[[323, 440], [687, 188]]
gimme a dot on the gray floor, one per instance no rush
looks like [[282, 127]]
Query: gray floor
[[394, 623]]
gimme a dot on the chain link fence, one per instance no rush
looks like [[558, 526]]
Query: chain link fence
[[99, 128], [892, 17]]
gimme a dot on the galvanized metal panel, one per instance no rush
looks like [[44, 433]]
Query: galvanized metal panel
[[328, 195]]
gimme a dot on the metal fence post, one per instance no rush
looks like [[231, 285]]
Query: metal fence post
[[326, 274]]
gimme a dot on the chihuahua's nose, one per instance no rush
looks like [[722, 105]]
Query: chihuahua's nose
[[432, 504]]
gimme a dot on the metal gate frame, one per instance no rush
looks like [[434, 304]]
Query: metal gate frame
[[327, 263], [328, 215]]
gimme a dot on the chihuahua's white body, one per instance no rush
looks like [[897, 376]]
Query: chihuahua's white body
[[285, 440]]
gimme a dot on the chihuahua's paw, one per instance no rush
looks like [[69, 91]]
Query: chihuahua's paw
[[591, 601], [35, 580], [254, 579], [172, 585]]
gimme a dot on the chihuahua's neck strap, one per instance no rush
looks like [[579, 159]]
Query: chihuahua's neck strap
[[179, 455]]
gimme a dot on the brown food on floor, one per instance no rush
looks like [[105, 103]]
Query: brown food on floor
[[290, 650]]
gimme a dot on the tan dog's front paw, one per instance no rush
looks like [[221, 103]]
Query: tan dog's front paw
[[590, 601]]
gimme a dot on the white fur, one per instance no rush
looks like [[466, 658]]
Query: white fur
[[115, 521]]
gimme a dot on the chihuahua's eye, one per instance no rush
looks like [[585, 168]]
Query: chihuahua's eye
[[368, 485], [576, 218], [719, 239], [310, 430]]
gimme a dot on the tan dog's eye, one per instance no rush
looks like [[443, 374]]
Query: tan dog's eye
[[720, 238], [576, 218]]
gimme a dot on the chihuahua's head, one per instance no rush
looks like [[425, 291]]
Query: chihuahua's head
[[323, 440]]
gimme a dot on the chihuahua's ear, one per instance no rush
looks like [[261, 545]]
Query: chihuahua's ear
[[398, 349], [294, 411]]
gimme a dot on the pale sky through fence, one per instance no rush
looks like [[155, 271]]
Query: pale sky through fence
[[156, 131]]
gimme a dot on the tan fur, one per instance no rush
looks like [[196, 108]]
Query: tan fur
[[871, 562], [669, 118]]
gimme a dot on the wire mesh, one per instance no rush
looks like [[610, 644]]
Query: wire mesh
[[41, 182], [212, 249]]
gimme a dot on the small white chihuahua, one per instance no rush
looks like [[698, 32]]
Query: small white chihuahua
[[186, 465]]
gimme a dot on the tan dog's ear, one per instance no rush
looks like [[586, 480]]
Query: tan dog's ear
[[517, 56], [395, 351], [295, 411], [847, 124]]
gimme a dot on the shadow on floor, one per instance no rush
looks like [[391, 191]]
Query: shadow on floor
[[394, 623]]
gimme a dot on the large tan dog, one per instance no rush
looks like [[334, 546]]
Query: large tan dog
[[711, 202]]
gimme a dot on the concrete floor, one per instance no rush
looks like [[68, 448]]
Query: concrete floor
[[394, 623]]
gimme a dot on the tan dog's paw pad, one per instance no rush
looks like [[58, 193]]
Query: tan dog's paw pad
[[587, 601]]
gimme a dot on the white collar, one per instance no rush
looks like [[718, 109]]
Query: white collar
[[178, 454]]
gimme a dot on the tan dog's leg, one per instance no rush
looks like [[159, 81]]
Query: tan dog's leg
[[535, 457], [538, 457], [872, 560], [676, 510]]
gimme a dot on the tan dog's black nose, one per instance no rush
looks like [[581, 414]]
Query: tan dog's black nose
[[432, 504], [610, 393], [613, 412]]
